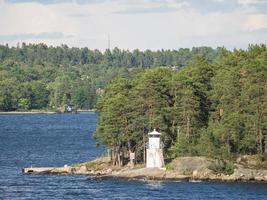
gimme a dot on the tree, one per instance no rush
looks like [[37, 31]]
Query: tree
[[112, 127]]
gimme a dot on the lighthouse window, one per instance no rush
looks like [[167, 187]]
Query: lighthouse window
[[154, 136]]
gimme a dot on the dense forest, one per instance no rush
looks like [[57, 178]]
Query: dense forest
[[207, 108], [37, 76]]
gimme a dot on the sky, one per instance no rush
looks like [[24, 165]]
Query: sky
[[132, 24]]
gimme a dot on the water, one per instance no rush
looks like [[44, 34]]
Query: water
[[56, 140]]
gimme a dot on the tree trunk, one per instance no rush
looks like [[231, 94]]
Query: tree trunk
[[173, 127], [114, 155], [109, 154], [228, 145], [144, 146], [188, 126], [261, 141], [119, 157]]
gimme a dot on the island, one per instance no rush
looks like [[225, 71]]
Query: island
[[197, 168]]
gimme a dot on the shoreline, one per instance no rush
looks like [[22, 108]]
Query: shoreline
[[38, 112], [26, 112], [101, 169]]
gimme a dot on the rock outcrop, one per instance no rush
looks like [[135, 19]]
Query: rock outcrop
[[182, 168]]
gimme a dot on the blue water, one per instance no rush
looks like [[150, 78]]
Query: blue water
[[56, 140]]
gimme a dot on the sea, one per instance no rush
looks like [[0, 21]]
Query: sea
[[64, 139]]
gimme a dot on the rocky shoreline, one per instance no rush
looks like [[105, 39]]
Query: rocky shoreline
[[184, 169]]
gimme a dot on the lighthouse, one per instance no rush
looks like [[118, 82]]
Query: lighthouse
[[154, 153]]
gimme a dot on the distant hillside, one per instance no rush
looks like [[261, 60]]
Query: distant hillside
[[37, 76]]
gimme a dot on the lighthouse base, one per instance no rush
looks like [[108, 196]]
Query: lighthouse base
[[154, 158]]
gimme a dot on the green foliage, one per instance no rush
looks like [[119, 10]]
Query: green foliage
[[222, 166], [239, 100], [182, 147], [46, 77], [23, 104], [211, 109], [169, 166], [215, 106]]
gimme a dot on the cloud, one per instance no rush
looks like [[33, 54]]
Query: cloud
[[209, 6], [27, 36], [130, 11], [249, 2], [150, 7], [143, 24], [34, 1], [255, 22], [253, 6], [46, 2], [239, 39], [79, 15]]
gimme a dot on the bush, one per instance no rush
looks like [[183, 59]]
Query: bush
[[222, 166], [169, 166]]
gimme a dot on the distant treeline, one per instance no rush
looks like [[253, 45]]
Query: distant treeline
[[210, 109], [37, 76], [63, 55]]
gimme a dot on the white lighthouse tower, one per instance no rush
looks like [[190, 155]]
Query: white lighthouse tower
[[154, 153]]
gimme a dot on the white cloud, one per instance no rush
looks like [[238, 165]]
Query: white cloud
[[149, 27], [248, 2], [255, 22], [218, 1]]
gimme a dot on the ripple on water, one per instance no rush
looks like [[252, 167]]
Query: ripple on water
[[55, 140]]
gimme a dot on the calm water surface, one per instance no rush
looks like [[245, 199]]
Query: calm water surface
[[56, 140]]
